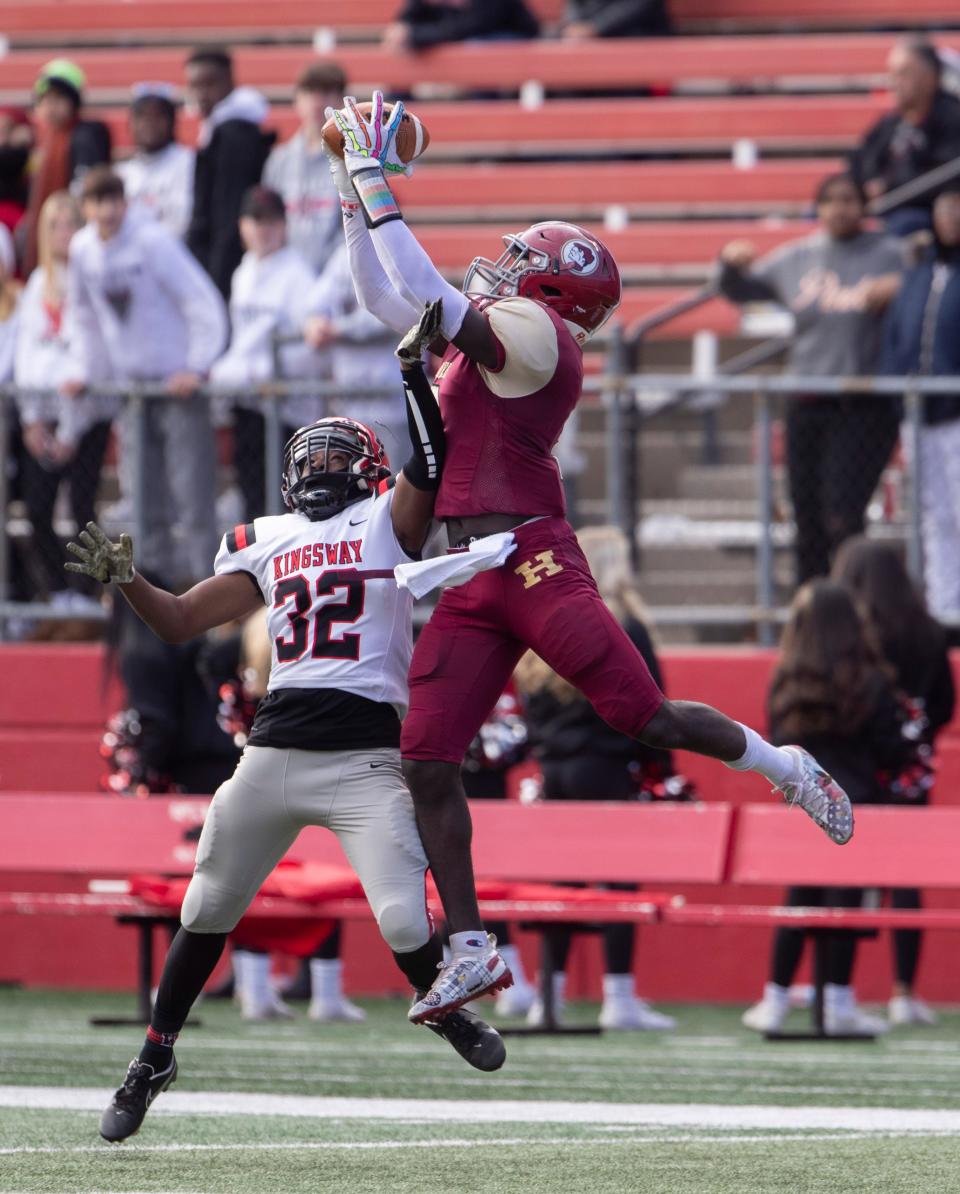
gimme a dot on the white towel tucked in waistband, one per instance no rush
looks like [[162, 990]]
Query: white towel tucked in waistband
[[456, 568]]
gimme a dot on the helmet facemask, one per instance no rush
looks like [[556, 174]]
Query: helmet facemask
[[311, 487]]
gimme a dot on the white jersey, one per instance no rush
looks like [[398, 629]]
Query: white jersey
[[336, 618]]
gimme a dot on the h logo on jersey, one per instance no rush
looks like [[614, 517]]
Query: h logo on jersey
[[533, 571]]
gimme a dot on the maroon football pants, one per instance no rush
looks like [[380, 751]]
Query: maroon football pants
[[545, 598]]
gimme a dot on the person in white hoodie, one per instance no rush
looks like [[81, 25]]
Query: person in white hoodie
[[231, 152], [267, 299], [158, 178], [64, 438], [141, 310]]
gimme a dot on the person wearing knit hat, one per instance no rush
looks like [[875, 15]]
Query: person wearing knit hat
[[67, 145]]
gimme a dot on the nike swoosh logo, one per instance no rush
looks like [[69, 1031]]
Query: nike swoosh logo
[[375, 765], [358, 524]]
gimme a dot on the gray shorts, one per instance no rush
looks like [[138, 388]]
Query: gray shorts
[[273, 794]]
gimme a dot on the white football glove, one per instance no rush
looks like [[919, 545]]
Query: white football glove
[[105, 561], [372, 140], [409, 352]]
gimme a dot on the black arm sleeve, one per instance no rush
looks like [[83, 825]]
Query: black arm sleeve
[[425, 466]]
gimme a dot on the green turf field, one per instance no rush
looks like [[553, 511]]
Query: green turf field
[[385, 1107]]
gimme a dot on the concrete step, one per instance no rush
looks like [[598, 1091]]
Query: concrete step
[[718, 483]]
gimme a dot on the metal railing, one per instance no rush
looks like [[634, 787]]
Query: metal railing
[[631, 400]]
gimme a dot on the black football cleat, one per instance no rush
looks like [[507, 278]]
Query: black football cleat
[[130, 1103], [476, 1042]]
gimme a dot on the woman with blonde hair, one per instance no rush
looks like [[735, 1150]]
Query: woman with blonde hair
[[65, 438], [582, 758]]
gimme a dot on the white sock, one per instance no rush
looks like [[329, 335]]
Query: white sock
[[253, 974], [326, 979], [774, 763], [473, 942], [511, 955], [618, 988]]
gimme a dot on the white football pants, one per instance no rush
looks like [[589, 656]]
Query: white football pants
[[256, 815]]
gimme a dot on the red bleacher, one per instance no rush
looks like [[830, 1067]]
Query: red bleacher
[[617, 63], [504, 128], [25, 19]]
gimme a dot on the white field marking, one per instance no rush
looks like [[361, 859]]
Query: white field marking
[[670, 1115], [485, 1142]]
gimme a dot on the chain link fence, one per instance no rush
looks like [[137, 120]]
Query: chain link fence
[[732, 489]]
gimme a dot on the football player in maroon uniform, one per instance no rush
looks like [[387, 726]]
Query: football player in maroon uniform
[[511, 374]]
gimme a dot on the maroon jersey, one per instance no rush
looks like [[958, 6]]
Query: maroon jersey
[[502, 423]]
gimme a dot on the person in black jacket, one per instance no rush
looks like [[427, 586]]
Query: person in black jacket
[[915, 646], [832, 693], [921, 338], [615, 18], [425, 23], [582, 758], [231, 154], [923, 132]]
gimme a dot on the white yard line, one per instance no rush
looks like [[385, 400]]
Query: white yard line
[[888, 1120], [486, 1143]]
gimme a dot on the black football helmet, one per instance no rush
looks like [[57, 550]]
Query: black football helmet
[[309, 487]]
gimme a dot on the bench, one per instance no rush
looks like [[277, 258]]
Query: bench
[[891, 847], [568, 128], [97, 843], [616, 63], [54, 21]]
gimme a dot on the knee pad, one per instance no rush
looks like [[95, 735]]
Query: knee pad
[[404, 927], [207, 910]]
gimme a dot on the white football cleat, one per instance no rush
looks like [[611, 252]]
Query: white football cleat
[[634, 1014], [335, 1011], [771, 1012], [463, 978], [820, 797], [907, 1009], [842, 1014]]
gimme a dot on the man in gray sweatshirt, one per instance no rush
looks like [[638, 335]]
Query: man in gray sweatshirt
[[299, 171], [837, 284]]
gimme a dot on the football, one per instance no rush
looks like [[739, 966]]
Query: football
[[412, 136]]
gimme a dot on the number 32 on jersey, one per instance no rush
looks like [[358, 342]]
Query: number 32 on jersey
[[332, 600]]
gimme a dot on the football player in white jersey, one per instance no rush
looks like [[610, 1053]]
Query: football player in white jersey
[[324, 748]]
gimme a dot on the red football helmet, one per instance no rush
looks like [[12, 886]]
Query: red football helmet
[[557, 264]]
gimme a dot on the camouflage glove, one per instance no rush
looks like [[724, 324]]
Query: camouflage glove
[[105, 561], [409, 352]]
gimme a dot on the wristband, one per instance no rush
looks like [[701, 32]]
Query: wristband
[[376, 198]]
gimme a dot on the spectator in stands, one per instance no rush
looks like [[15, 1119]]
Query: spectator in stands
[[300, 171], [266, 300], [354, 349], [915, 646], [922, 132], [425, 23], [9, 305], [65, 438], [158, 177], [837, 284], [16, 145], [140, 310], [67, 145], [921, 338], [615, 18], [582, 758], [231, 152], [830, 692]]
